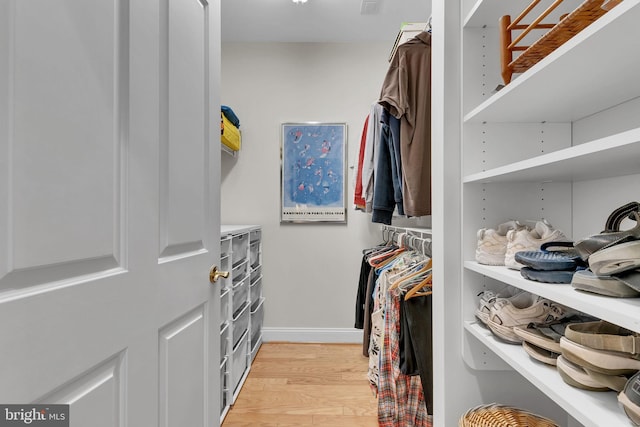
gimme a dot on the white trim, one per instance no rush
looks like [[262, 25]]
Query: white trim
[[315, 335]]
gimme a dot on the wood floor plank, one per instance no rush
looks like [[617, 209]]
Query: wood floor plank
[[306, 385]]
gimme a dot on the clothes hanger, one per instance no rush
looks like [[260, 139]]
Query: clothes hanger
[[415, 291], [405, 280]]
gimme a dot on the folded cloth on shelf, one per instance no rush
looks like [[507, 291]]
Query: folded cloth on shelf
[[230, 115], [230, 134]]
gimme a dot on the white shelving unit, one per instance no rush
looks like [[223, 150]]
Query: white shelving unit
[[241, 308], [560, 142]]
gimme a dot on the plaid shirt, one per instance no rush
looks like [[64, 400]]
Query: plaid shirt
[[400, 397]]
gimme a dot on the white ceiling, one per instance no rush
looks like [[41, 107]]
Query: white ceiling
[[319, 20]]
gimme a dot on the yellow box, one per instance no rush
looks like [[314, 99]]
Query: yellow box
[[230, 134]]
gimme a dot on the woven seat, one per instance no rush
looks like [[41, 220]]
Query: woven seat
[[558, 34], [494, 415]]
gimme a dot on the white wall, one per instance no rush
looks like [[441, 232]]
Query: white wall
[[310, 271]]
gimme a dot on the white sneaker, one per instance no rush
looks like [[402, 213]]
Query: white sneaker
[[507, 314], [489, 298], [492, 244], [529, 240]]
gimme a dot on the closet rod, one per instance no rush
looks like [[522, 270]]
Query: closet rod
[[416, 238], [423, 233]]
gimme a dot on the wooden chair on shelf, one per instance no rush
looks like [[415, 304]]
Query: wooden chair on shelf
[[557, 34]]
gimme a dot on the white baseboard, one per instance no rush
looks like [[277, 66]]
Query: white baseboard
[[313, 335]]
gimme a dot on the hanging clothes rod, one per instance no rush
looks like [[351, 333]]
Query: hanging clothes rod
[[416, 238]]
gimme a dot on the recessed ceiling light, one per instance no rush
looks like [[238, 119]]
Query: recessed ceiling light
[[299, 1]]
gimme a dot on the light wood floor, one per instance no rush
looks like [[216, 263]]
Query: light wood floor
[[306, 385]]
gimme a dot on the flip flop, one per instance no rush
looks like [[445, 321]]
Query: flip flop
[[575, 376], [620, 286], [545, 259], [541, 354], [616, 259], [549, 276], [612, 235]]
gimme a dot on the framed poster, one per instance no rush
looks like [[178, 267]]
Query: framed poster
[[312, 178]]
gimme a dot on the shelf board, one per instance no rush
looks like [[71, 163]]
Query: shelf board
[[585, 75], [592, 409], [229, 151], [612, 156], [621, 311], [485, 13]]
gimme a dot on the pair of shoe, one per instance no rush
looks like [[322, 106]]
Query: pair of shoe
[[499, 246], [613, 256], [598, 356], [521, 310], [550, 266], [489, 297], [542, 342]]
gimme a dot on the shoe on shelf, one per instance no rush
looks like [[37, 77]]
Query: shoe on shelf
[[577, 376], [552, 256], [616, 259], [529, 240], [612, 235], [547, 276], [624, 285], [629, 398], [507, 314], [492, 243], [548, 336], [489, 297], [543, 355], [603, 361]]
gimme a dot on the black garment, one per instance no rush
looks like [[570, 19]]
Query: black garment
[[362, 289], [408, 360], [419, 318], [368, 309]]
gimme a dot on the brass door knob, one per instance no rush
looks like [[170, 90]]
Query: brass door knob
[[215, 274]]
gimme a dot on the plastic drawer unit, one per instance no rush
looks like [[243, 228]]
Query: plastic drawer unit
[[241, 323], [240, 360], [254, 254], [239, 247], [225, 305], [225, 347], [256, 290], [257, 318], [223, 384], [240, 295], [240, 271]]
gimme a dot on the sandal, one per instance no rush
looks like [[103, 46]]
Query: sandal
[[612, 235], [547, 260], [616, 259], [549, 276], [629, 398], [625, 285]]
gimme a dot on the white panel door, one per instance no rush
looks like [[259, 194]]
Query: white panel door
[[109, 218]]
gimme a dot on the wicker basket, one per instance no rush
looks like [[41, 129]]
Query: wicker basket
[[495, 415]]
